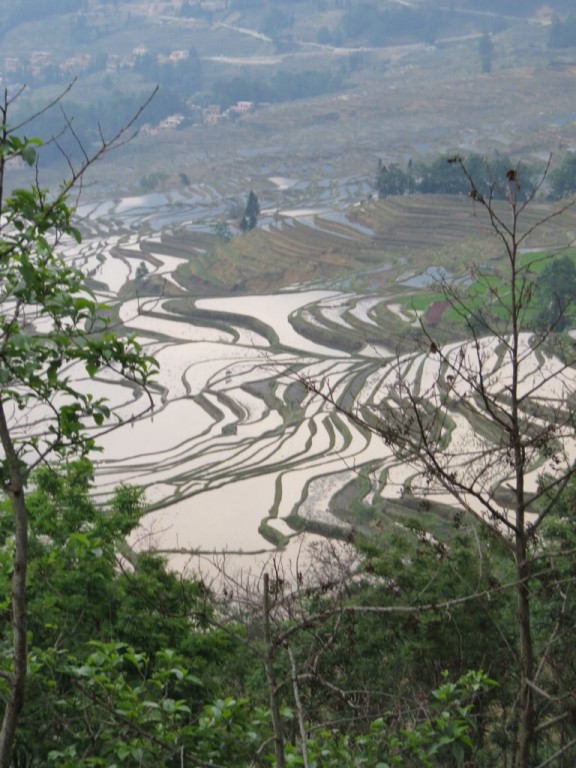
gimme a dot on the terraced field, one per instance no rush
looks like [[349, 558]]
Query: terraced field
[[239, 454]]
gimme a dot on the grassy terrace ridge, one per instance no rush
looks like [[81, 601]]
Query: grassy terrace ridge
[[410, 235]]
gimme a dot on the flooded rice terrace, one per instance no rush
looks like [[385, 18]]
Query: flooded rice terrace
[[235, 445], [237, 449]]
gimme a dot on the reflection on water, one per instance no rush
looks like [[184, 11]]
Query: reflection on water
[[274, 310], [223, 519], [216, 456], [427, 278], [236, 437]]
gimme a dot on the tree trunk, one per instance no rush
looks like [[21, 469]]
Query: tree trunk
[[271, 678], [525, 727], [15, 698]]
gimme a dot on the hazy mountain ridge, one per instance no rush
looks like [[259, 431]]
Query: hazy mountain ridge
[[219, 53], [113, 34]]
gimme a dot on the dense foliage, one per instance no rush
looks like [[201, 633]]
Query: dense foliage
[[130, 666], [442, 175], [133, 665], [563, 177]]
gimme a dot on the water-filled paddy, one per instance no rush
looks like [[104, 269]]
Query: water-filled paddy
[[275, 311], [235, 438]]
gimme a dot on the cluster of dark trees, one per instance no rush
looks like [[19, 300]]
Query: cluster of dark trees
[[556, 295], [440, 176], [562, 179]]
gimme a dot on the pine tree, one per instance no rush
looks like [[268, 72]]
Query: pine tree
[[251, 213]]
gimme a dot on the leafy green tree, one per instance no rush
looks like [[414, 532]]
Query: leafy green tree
[[442, 176], [331, 653], [49, 322], [443, 738], [222, 230], [131, 664], [563, 179], [554, 596], [102, 632], [391, 180], [555, 293], [151, 181], [142, 272]]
